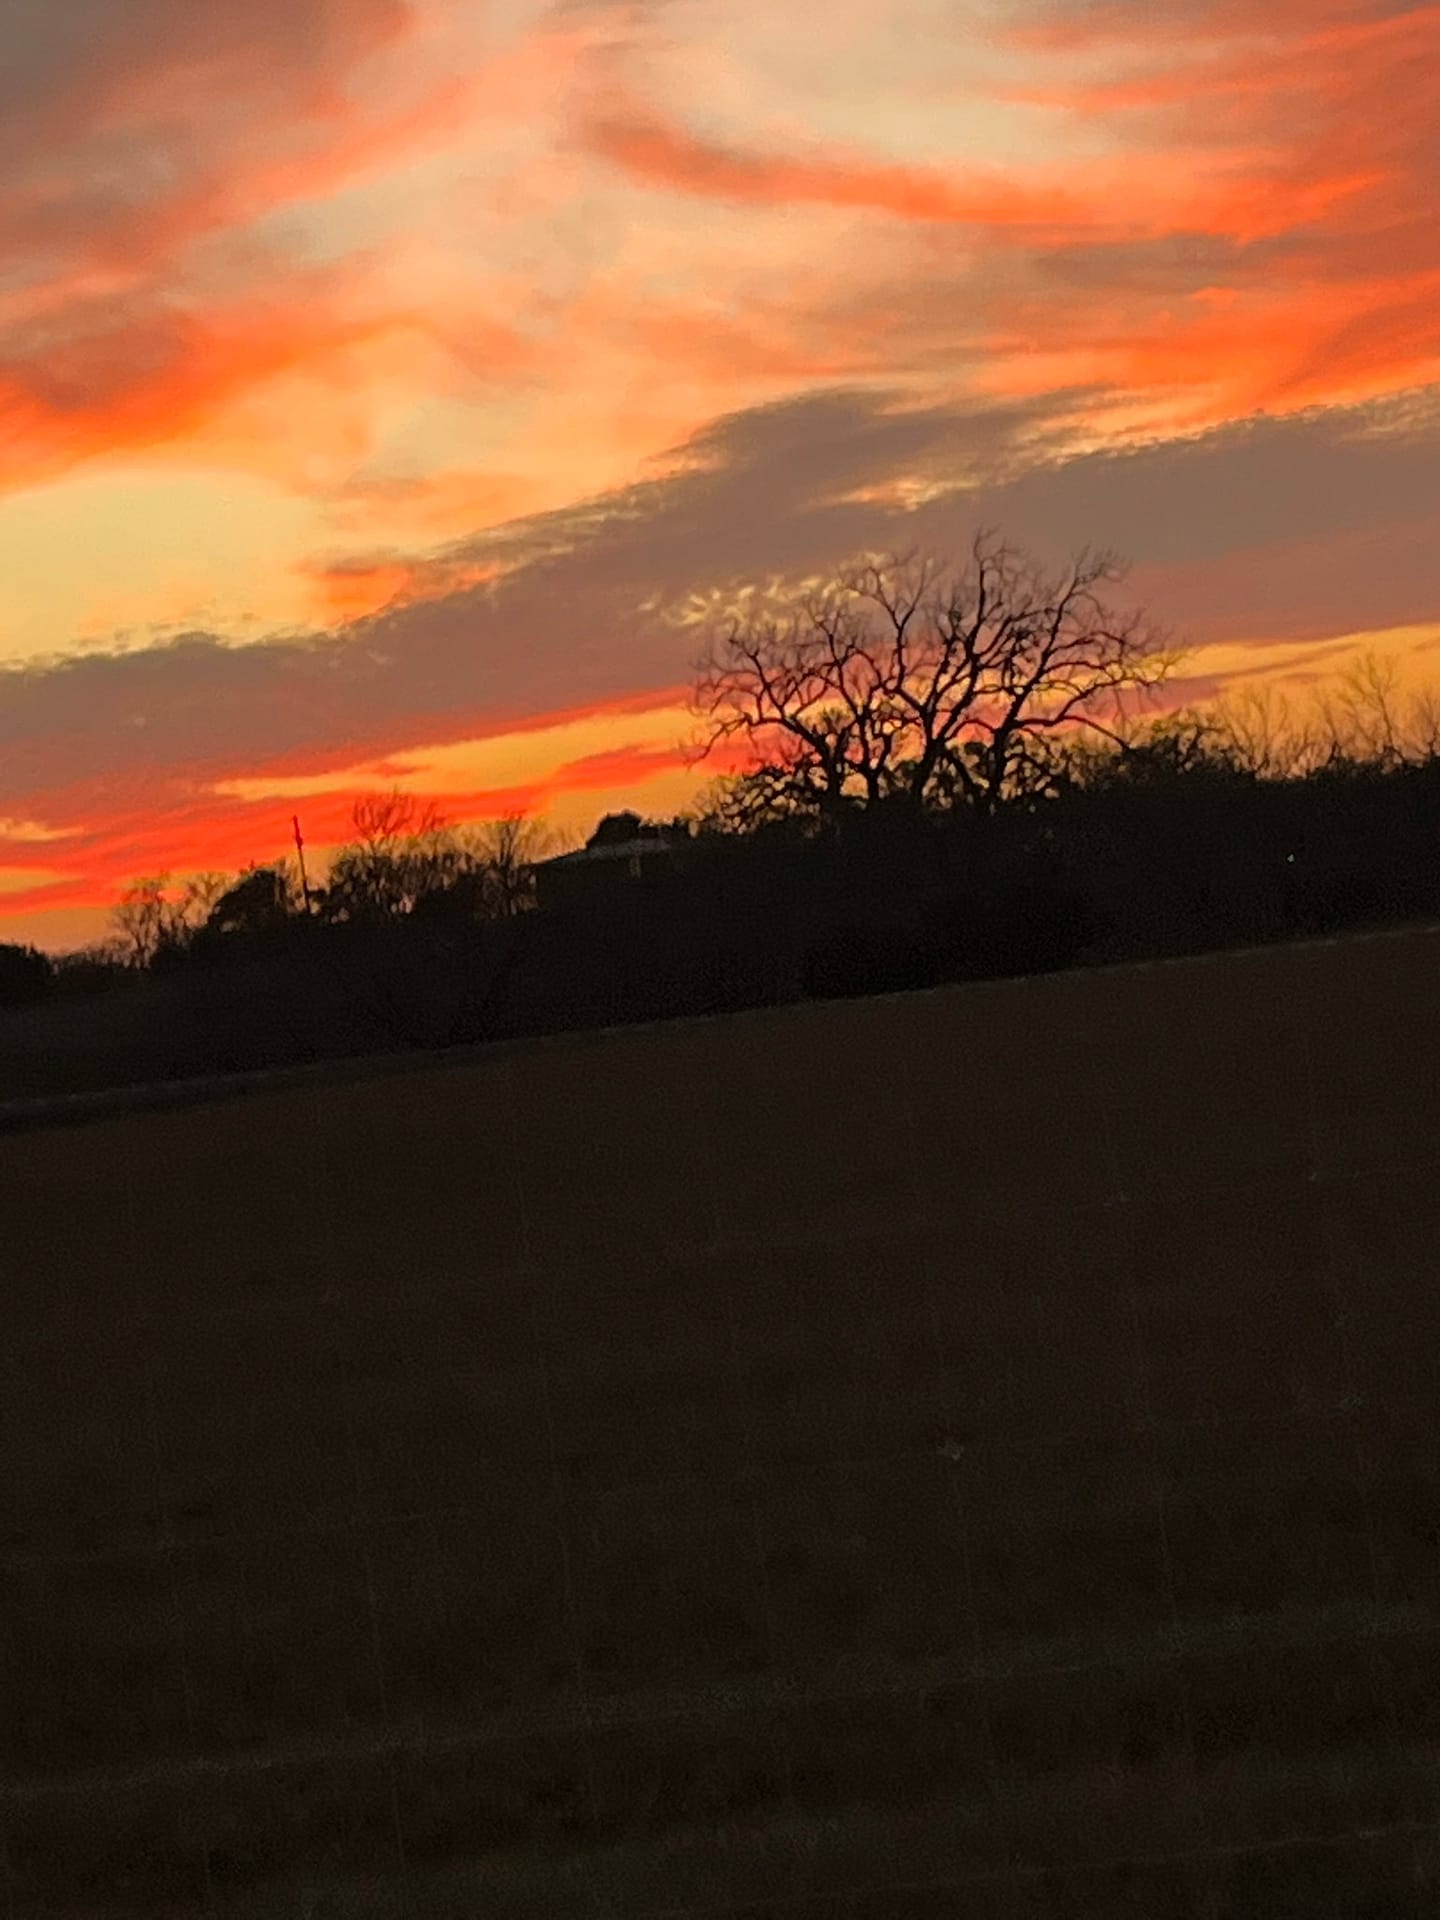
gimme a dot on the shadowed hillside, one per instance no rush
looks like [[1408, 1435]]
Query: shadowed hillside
[[971, 1452]]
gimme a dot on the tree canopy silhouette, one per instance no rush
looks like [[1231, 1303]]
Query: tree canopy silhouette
[[25, 975], [891, 684]]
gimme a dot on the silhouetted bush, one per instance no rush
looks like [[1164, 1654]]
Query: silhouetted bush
[[87, 973], [25, 976]]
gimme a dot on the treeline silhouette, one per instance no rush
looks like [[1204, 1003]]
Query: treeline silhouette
[[944, 783]]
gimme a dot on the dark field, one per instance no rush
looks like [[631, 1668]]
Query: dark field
[[970, 1454]]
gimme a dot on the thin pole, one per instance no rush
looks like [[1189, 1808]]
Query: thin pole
[[300, 853]]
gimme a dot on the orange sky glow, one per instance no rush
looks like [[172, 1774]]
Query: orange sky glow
[[390, 387]]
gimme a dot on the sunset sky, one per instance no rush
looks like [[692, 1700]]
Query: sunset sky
[[388, 388]]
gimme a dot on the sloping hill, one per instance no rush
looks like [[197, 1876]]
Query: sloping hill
[[967, 1453]]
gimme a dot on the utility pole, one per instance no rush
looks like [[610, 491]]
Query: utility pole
[[300, 854]]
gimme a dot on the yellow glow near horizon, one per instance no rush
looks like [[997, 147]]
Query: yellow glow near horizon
[[157, 547], [1406, 648], [502, 760]]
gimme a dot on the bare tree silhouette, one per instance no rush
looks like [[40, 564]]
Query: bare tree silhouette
[[891, 685]]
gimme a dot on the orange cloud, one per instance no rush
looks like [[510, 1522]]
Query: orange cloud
[[617, 766], [144, 114], [1100, 199], [714, 346], [1260, 234], [1058, 25], [353, 588], [144, 296], [350, 588], [1313, 111], [115, 382], [650, 149]]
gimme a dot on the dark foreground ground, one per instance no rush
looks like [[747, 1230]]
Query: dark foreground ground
[[968, 1454]]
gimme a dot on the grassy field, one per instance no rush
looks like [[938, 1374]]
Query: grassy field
[[973, 1453]]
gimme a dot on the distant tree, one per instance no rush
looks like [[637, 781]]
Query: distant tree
[[1359, 721], [407, 859], [741, 803], [1177, 748], [140, 917], [92, 969], [1261, 737], [261, 899], [401, 850], [1367, 722], [25, 975], [382, 822], [506, 851], [154, 924], [890, 685], [187, 916]]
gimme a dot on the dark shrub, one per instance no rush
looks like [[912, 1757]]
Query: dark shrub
[[25, 975]]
